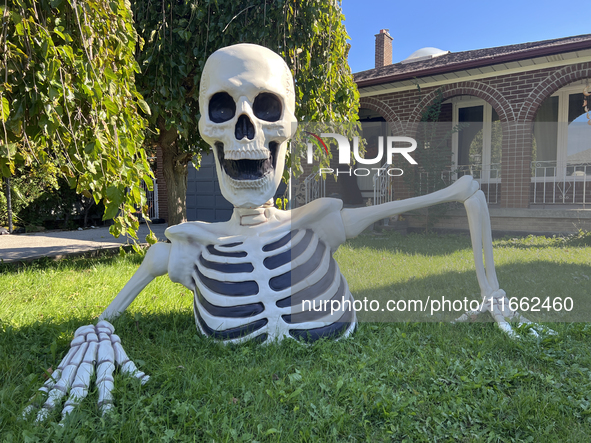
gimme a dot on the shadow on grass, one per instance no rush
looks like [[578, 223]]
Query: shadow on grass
[[433, 244], [385, 376], [73, 263], [581, 239], [538, 288], [430, 244]]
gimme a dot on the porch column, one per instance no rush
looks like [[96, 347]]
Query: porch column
[[516, 165]]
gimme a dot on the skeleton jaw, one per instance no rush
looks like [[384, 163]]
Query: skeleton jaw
[[247, 172], [248, 163]]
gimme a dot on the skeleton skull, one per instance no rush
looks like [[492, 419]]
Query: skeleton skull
[[247, 105]]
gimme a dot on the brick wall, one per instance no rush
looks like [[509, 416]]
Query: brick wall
[[516, 99], [503, 222]]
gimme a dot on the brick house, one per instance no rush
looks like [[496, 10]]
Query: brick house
[[528, 140]]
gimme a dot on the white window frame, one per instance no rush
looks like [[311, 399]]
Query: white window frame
[[562, 137], [467, 102], [366, 183]]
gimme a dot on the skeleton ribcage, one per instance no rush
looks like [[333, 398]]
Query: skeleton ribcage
[[277, 288]]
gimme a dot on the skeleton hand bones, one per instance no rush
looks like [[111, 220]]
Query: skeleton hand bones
[[92, 345], [98, 345]]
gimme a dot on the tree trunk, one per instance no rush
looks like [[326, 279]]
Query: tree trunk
[[175, 170], [87, 207]]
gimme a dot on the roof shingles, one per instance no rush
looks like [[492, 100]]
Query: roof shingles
[[455, 61]]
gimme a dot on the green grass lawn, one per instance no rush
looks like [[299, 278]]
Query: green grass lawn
[[420, 381]]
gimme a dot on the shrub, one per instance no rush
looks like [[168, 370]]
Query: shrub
[[39, 199]]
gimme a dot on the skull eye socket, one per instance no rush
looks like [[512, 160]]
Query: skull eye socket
[[267, 107], [221, 107]]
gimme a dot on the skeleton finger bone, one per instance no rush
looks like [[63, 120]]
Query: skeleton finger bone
[[63, 385], [104, 372], [83, 375], [41, 395], [60, 376], [498, 307], [123, 361], [92, 345]]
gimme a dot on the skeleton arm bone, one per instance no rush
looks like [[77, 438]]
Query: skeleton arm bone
[[464, 190], [494, 299], [357, 219], [481, 236], [154, 265]]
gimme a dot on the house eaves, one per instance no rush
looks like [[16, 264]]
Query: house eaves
[[473, 65]]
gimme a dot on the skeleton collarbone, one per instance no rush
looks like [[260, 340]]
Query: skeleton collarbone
[[251, 285]]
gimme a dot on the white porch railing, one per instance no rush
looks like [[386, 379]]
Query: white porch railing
[[551, 184], [314, 187], [382, 185], [489, 178]]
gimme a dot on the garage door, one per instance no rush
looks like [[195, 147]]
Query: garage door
[[204, 198]]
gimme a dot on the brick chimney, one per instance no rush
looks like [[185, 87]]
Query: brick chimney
[[383, 48]]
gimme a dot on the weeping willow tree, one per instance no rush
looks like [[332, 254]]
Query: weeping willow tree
[[69, 105], [74, 72], [179, 36]]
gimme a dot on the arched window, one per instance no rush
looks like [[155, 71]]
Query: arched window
[[561, 142], [477, 144]]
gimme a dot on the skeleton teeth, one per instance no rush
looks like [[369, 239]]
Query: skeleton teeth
[[249, 184], [247, 154]]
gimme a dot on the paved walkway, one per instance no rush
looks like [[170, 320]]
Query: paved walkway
[[58, 244]]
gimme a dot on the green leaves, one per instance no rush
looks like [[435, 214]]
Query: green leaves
[[70, 100], [4, 109], [115, 193], [144, 107], [151, 238], [179, 37], [73, 99], [111, 107]]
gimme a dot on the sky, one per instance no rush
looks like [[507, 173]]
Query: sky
[[457, 25]]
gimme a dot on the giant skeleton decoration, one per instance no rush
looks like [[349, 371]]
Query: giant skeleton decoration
[[251, 273]]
